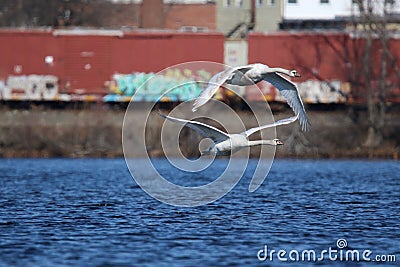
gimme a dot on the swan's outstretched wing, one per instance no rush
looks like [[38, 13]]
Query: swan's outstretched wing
[[277, 123], [291, 94], [214, 84], [202, 128]]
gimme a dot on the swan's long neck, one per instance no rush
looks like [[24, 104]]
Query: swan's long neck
[[261, 142], [280, 70]]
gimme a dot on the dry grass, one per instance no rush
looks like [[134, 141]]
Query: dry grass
[[97, 133]]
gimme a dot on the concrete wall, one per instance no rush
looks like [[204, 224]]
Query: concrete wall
[[268, 15], [230, 15], [235, 53]]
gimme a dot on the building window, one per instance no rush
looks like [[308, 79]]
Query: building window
[[239, 3], [262, 2], [227, 3], [324, 1], [292, 1], [390, 2]]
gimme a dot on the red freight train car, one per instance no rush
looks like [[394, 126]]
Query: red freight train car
[[328, 56], [313, 54], [83, 60]]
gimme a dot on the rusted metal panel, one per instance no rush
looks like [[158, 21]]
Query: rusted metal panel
[[87, 63], [24, 53], [152, 52]]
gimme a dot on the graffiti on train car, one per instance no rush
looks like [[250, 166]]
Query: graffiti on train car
[[29, 87], [311, 91], [151, 87], [171, 85]]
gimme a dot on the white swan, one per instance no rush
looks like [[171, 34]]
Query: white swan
[[225, 144], [254, 73]]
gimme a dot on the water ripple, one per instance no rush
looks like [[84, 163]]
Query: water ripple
[[89, 212]]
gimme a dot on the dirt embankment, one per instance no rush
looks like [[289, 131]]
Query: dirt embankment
[[96, 132]]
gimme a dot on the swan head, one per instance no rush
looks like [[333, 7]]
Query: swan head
[[208, 151], [277, 142], [294, 73]]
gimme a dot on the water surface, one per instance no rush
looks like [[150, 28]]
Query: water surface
[[90, 212]]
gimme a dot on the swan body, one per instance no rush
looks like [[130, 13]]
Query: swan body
[[254, 73], [226, 144]]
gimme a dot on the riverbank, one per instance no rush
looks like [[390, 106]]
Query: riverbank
[[95, 131]]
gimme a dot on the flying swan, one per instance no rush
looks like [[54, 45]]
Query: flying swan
[[225, 144], [254, 73]]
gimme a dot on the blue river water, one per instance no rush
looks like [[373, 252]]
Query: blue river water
[[90, 212]]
